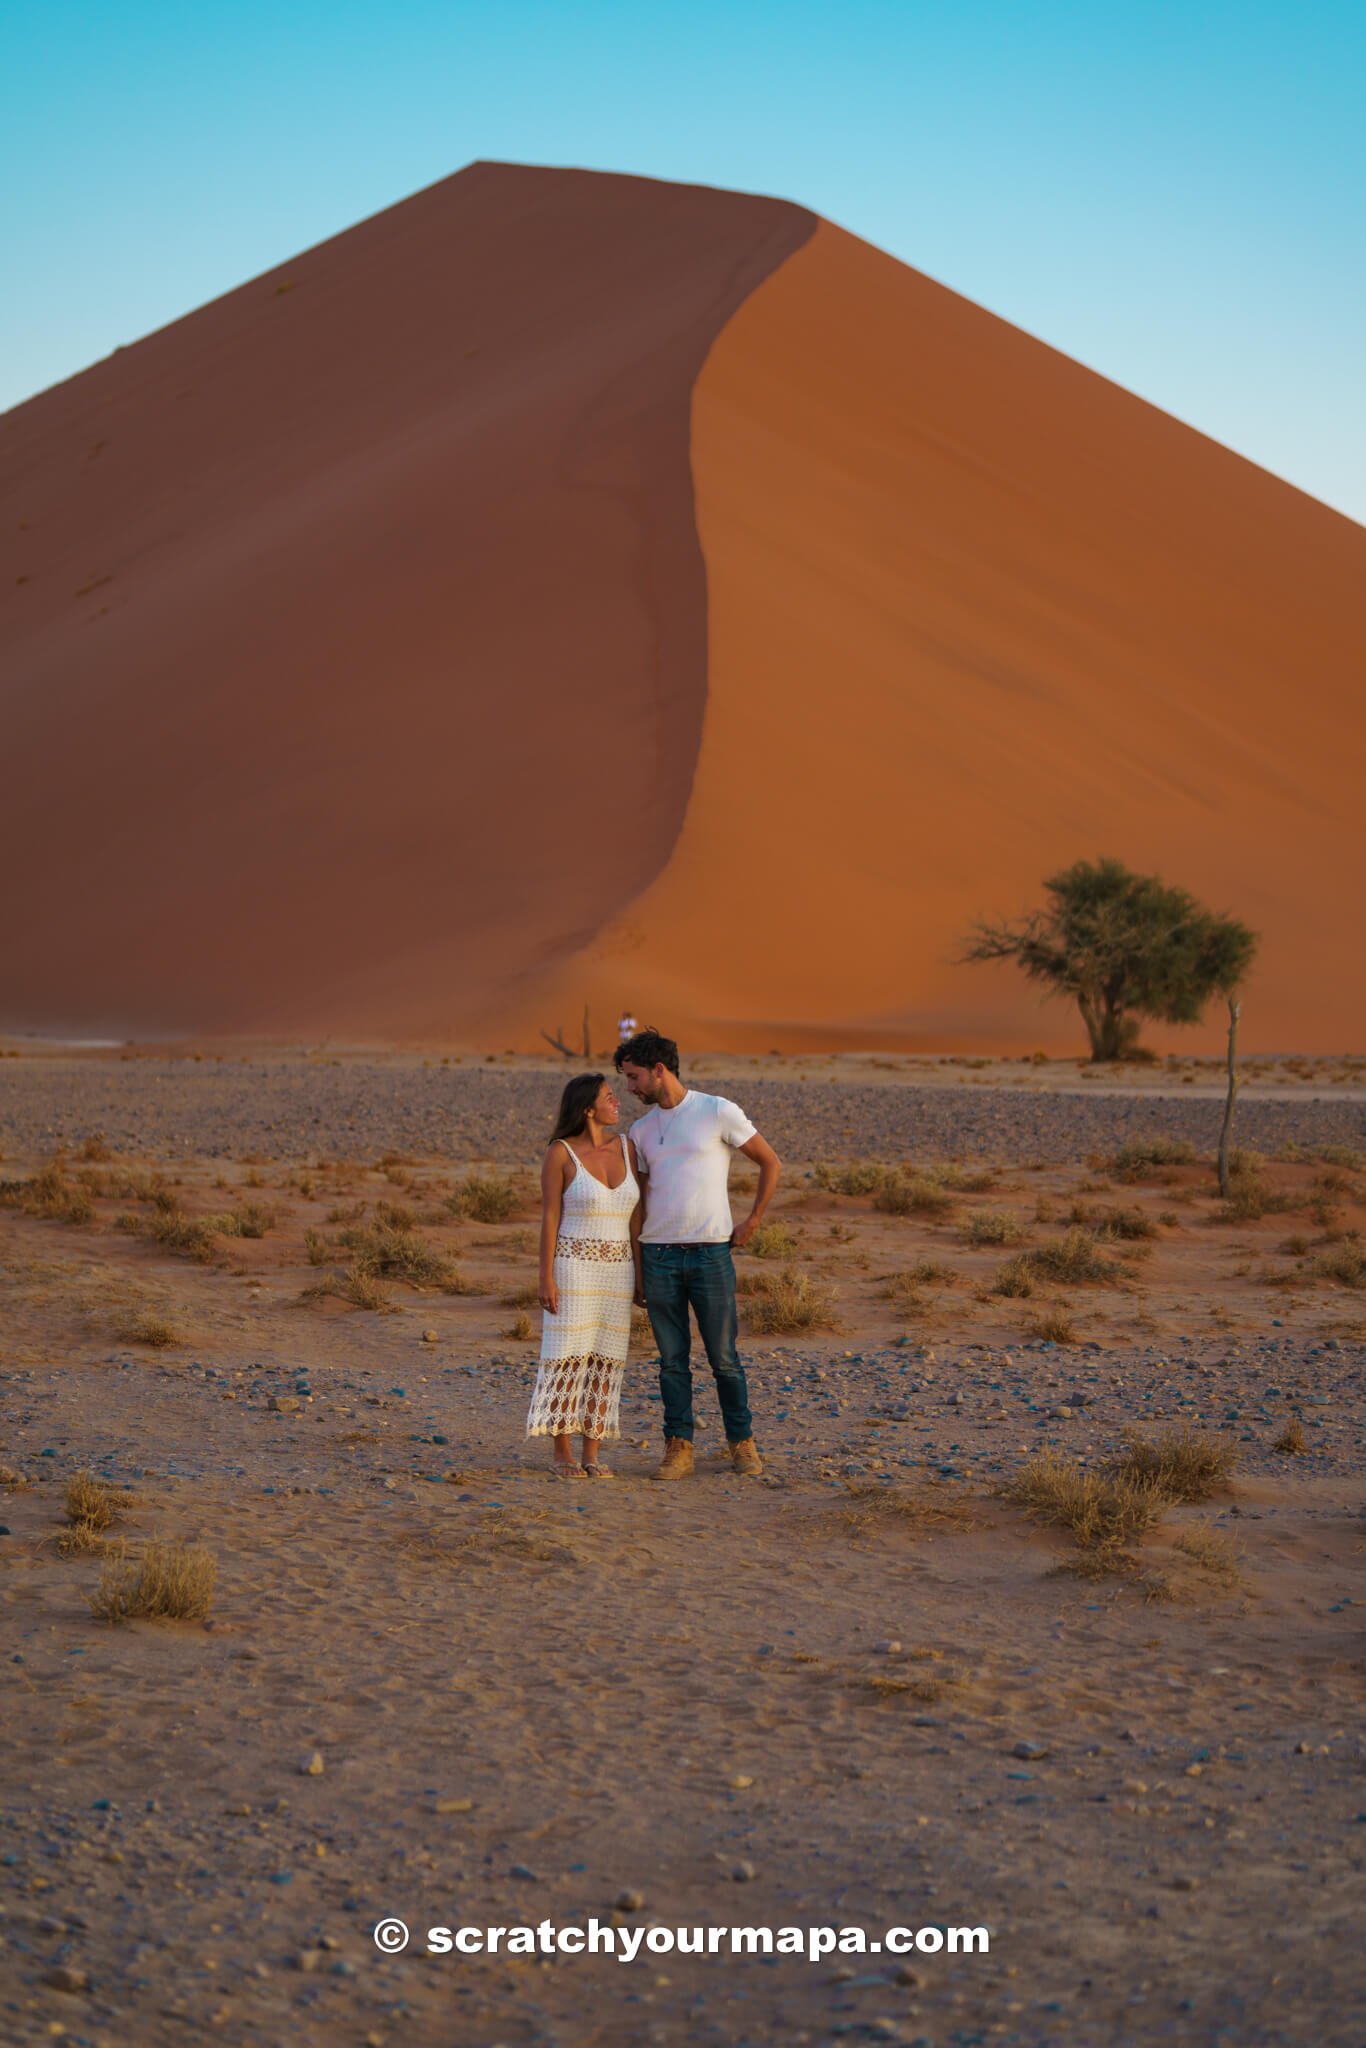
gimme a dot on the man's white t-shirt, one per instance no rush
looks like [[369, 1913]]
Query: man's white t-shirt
[[685, 1154]]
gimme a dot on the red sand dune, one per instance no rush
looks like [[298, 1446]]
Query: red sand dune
[[381, 665]]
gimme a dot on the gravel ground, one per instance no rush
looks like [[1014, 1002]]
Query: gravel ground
[[285, 1108]]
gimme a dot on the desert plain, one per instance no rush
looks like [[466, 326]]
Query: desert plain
[[276, 1306]]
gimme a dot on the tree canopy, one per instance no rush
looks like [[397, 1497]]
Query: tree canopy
[[1124, 947]]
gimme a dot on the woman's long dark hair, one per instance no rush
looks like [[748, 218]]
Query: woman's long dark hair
[[579, 1096]]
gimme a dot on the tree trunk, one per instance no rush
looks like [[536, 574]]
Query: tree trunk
[[1234, 1012], [1091, 1020]]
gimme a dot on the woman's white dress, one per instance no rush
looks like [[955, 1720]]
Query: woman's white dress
[[583, 1347]]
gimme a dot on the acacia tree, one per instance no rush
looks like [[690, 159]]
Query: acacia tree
[[1124, 947]]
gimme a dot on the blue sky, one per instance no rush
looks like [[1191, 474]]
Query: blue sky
[[1173, 194]]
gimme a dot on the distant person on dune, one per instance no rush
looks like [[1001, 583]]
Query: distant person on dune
[[682, 1148], [590, 1274], [626, 1027]]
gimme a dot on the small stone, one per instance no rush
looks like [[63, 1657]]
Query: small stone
[[1136, 1787], [453, 1806], [312, 1766], [904, 1974], [1031, 1751], [741, 1783], [309, 1959], [523, 1874], [1185, 1884], [429, 1336], [64, 1978], [284, 1404], [629, 1901], [891, 1648], [743, 1873]]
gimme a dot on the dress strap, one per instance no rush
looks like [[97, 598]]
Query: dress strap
[[572, 1153]]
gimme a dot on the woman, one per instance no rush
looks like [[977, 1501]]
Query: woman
[[590, 1273]]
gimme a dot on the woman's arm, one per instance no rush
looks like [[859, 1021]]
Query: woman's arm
[[552, 1198], [637, 1219]]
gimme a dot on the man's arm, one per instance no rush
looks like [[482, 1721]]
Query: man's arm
[[770, 1167]]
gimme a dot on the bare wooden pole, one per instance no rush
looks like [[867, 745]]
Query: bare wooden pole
[[1235, 1009]]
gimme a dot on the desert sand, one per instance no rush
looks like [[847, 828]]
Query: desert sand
[[866, 1690], [565, 588]]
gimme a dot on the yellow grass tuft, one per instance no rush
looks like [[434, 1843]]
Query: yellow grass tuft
[[1182, 1464], [1054, 1326], [772, 1241], [1102, 1513], [1292, 1442], [92, 1501], [789, 1301], [485, 1198], [49, 1195], [994, 1226], [172, 1581], [148, 1329]]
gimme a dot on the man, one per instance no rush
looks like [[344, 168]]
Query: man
[[683, 1145]]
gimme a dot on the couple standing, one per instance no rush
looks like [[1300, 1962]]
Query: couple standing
[[643, 1218]]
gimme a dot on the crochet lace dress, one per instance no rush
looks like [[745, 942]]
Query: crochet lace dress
[[583, 1347]]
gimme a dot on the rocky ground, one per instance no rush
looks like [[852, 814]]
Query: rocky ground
[[865, 1690]]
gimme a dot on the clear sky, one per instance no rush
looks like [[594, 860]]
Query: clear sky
[[1172, 193]]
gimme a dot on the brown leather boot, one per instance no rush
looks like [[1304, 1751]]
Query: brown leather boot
[[677, 1462], [745, 1458]]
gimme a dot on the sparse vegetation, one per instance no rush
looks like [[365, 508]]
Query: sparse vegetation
[[148, 1329], [1291, 1442], [49, 1195], [387, 1252], [1182, 1464], [1345, 1263], [1138, 1157], [484, 1198], [92, 1501], [1054, 1326], [1102, 1513], [789, 1300], [911, 1194], [171, 1581], [1073, 1260], [772, 1241], [994, 1226]]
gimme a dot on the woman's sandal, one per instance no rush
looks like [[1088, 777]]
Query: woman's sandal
[[597, 1471], [565, 1468]]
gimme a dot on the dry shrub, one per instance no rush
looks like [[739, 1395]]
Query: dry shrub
[[772, 1241], [924, 1690], [93, 1502], [903, 1289], [1138, 1157], [484, 1198], [83, 1539], [641, 1325], [1073, 1259], [347, 1212], [49, 1195], [1054, 1326], [1102, 1513], [12, 1480], [173, 1581], [95, 1148], [253, 1219], [994, 1226], [860, 1178], [1345, 1264], [911, 1194], [395, 1254], [521, 1328], [1130, 1225], [1292, 1442], [789, 1301], [1183, 1464], [396, 1215], [1015, 1279], [189, 1236], [148, 1329], [964, 1180], [317, 1247]]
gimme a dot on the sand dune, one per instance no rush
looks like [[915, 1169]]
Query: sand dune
[[566, 588]]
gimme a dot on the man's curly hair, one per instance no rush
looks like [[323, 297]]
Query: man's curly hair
[[648, 1048]]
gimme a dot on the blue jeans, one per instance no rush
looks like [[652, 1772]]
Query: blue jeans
[[700, 1277]]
